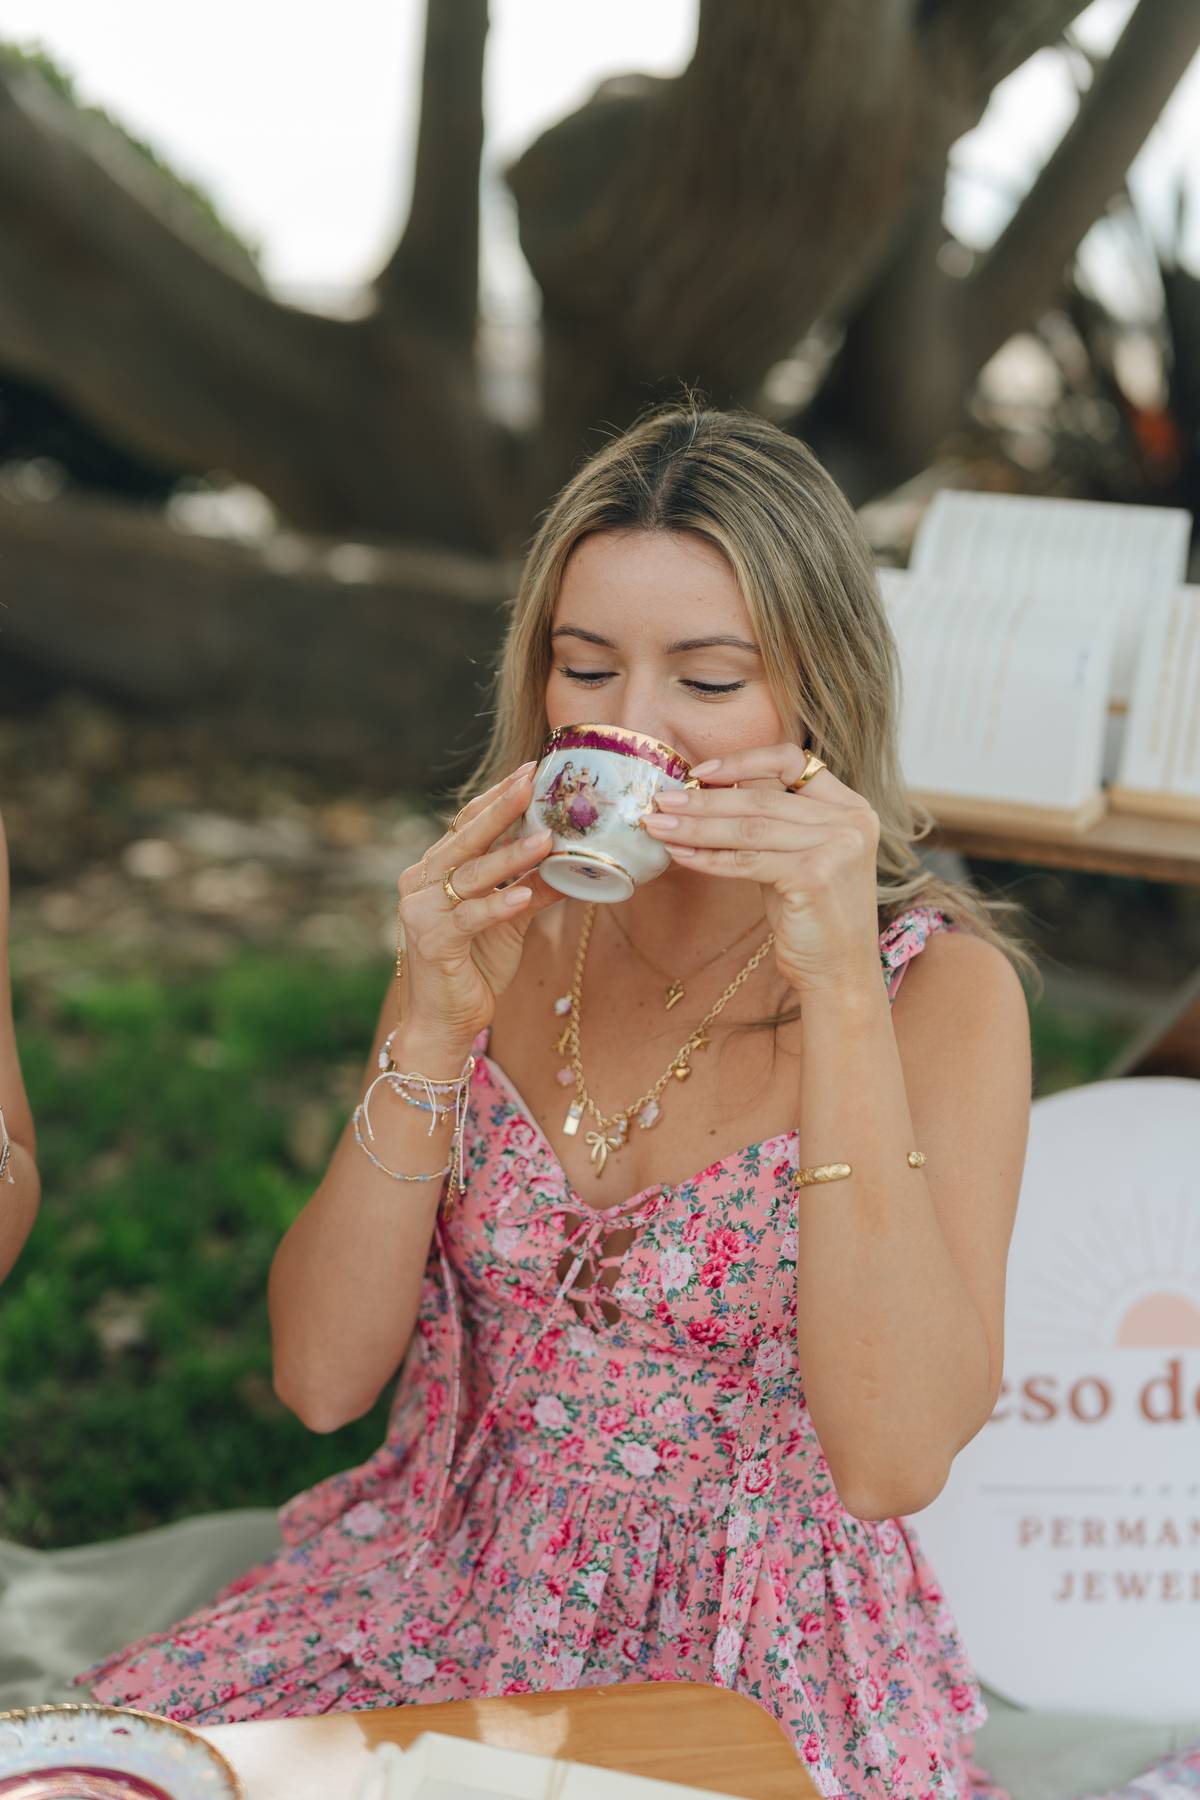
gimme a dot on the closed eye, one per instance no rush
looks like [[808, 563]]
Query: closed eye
[[701, 687]]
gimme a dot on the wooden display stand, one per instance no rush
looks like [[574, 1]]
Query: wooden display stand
[[1119, 843], [705, 1737]]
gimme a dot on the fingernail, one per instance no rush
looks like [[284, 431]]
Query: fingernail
[[706, 768], [525, 767]]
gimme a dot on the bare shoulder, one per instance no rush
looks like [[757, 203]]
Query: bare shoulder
[[962, 1029], [956, 981], [961, 1021]]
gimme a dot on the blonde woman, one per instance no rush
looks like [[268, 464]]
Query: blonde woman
[[670, 1383], [19, 1186]]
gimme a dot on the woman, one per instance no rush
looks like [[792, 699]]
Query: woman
[[655, 1421], [19, 1185]]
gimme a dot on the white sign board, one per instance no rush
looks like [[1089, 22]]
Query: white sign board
[[1067, 1539]]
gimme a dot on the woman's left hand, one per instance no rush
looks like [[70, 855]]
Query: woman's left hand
[[813, 853]]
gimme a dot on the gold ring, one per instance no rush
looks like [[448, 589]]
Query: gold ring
[[812, 765], [452, 893]]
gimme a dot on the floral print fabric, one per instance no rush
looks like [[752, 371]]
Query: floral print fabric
[[586, 1482]]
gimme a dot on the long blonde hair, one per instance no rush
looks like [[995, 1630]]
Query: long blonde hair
[[808, 576]]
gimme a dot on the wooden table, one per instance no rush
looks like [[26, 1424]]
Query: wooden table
[[704, 1736], [1117, 844]]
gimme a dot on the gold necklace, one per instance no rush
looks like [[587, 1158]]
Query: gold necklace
[[675, 988], [613, 1128]]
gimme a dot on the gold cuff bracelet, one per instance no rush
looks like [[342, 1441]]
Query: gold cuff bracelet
[[839, 1171]]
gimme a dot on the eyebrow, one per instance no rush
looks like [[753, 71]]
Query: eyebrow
[[680, 644]]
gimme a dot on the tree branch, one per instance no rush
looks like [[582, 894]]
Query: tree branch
[[90, 259], [998, 39], [302, 647], [433, 275], [155, 340], [1024, 269]]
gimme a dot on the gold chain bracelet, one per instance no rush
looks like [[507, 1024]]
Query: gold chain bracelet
[[839, 1171]]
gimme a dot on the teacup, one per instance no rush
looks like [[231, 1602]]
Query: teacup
[[592, 789]]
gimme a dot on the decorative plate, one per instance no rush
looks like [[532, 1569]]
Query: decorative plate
[[107, 1753]]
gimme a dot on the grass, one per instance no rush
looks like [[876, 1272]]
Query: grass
[[183, 1120], [182, 1123]]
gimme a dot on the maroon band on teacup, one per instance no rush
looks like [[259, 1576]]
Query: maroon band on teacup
[[621, 741]]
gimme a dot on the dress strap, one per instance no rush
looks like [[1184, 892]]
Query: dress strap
[[905, 937]]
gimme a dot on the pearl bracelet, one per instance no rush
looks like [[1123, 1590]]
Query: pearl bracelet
[[839, 1171], [433, 1087]]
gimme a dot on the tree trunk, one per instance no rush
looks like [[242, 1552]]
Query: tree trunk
[[699, 227], [793, 176]]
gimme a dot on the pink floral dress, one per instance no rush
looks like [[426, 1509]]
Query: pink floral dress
[[599, 1475]]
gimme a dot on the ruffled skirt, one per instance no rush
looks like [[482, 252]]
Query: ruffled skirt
[[536, 1584]]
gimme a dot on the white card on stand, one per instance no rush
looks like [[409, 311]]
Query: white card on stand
[[1113, 556], [1159, 768], [1005, 697]]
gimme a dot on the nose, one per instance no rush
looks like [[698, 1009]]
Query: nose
[[643, 711]]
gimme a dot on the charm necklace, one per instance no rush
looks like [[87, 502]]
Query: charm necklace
[[612, 1129]]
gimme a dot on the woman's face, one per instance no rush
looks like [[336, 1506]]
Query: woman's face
[[637, 614]]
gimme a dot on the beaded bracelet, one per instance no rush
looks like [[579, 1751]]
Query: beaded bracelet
[[6, 1173], [400, 1082], [839, 1171], [460, 1086]]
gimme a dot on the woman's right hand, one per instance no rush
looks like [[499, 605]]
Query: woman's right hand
[[461, 958]]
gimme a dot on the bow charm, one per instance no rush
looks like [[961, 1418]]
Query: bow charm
[[601, 1143]]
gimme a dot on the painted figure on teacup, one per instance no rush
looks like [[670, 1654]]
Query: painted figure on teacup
[[572, 803]]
